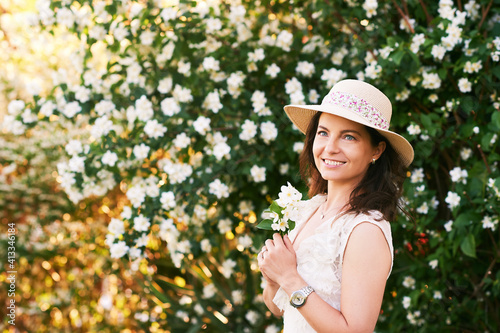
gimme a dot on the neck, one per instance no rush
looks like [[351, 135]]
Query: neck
[[338, 195]]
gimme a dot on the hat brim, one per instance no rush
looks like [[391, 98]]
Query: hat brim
[[301, 116]]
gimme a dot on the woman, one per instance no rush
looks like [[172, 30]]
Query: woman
[[329, 273]]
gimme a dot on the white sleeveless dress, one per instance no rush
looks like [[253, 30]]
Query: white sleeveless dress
[[319, 259]]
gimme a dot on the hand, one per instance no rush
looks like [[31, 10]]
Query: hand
[[277, 260]]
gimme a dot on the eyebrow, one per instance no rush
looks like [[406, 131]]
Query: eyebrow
[[342, 132]]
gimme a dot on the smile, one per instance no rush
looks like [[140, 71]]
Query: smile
[[333, 163]]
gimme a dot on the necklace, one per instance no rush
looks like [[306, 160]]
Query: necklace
[[323, 214]]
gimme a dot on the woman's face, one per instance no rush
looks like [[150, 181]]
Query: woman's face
[[342, 150]]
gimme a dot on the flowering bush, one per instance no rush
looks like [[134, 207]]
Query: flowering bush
[[182, 108]]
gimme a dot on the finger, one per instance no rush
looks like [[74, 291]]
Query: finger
[[288, 242], [269, 244], [278, 241]]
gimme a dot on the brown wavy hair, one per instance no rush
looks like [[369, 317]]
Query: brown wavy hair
[[381, 187]]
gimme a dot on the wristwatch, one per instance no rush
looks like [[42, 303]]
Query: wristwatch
[[299, 297]]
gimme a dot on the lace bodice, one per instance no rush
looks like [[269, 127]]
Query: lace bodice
[[319, 259]]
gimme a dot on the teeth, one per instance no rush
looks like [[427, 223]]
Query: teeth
[[329, 162]]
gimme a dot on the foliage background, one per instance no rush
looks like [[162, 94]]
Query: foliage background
[[163, 121]]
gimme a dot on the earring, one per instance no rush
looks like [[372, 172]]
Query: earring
[[373, 161]]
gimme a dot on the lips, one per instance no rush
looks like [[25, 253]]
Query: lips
[[333, 163]]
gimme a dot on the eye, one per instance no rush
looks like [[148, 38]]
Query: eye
[[322, 133], [349, 137]]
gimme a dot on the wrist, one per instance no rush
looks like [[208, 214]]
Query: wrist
[[292, 284]]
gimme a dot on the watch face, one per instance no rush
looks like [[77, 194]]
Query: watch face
[[298, 298]]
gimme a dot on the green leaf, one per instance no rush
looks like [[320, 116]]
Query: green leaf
[[265, 224], [468, 246], [291, 225], [275, 208]]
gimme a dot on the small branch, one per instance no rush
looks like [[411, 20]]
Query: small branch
[[403, 16], [485, 13], [484, 158], [488, 272], [427, 15]]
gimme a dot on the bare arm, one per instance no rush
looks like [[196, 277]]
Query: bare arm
[[367, 262], [269, 292]]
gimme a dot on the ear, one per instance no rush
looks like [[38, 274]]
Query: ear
[[378, 150]]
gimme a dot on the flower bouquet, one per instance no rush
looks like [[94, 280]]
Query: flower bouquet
[[283, 212]]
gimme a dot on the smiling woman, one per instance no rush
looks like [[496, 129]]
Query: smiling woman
[[340, 253]]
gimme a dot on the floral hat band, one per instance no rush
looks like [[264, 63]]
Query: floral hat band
[[360, 102], [358, 105]]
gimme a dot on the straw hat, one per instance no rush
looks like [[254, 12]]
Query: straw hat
[[360, 102]]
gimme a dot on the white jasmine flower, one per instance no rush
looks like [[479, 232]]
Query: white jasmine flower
[[433, 263], [202, 125], [168, 200], [184, 68], [258, 174], [104, 107], [212, 102], [269, 131], [249, 130], [126, 213], [417, 40], [245, 241], [448, 225], [464, 85], [136, 194], [284, 40], [209, 291], [284, 168], [154, 129], [473, 67], [205, 245], [181, 141], [142, 240], [71, 109], [423, 209], [101, 127], [252, 317], [431, 81], [221, 150], [256, 56], [370, 6], [476, 130], [227, 268], [144, 108], [489, 222], [332, 76], [224, 225], [141, 151], [109, 158], [305, 68], [273, 70], [118, 250], [452, 199], [433, 98], [116, 227], [437, 295], [213, 25], [458, 175], [182, 95], [74, 147], [77, 164], [48, 108], [165, 85], [258, 101], [438, 52], [170, 107], [141, 223], [298, 147], [219, 189], [373, 70], [406, 302], [409, 282]]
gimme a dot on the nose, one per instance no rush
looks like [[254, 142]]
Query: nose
[[332, 146]]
